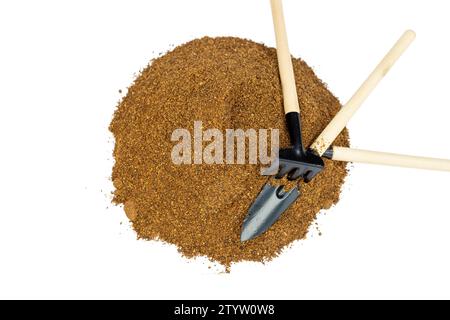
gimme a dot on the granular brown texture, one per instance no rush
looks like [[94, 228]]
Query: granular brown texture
[[225, 83]]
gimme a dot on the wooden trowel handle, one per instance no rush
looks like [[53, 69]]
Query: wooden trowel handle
[[284, 59], [389, 159], [344, 115]]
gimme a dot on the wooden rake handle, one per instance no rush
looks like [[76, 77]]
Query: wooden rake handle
[[389, 159], [344, 115], [290, 98]]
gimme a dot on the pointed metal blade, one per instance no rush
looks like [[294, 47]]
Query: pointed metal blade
[[271, 202]]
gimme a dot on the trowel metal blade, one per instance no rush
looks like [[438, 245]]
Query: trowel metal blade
[[271, 202]]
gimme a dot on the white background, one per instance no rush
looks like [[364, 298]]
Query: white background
[[61, 66]]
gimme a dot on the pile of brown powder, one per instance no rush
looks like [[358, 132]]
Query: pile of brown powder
[[225, 83]]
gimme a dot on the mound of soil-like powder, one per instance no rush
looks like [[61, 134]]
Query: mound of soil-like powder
[[225, 83]]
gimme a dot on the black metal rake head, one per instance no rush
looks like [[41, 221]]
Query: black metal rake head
[[298, 164]]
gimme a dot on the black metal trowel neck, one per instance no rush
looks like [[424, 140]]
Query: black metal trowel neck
[[295, 133]]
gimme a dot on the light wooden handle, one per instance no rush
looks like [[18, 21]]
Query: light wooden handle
[[284, 59], [389, 159], [344, 115]]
